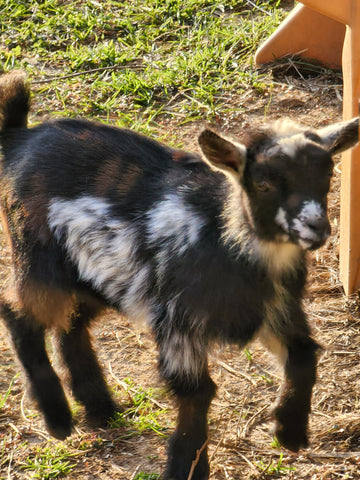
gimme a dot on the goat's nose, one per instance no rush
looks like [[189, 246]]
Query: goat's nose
[[319, 226]]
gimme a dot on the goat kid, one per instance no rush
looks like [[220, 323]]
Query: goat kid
[[204, 249]]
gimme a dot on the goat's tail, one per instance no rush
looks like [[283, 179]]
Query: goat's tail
[[14, 100]]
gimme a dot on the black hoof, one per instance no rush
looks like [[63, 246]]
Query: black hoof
[[292, 438], [101, 415], [60, 427], [60, 432], [58, 420]]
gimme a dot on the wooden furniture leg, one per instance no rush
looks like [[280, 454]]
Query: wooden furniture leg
[[350, 169], [308, 34]]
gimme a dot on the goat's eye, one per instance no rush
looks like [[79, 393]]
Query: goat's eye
[[262, 186]]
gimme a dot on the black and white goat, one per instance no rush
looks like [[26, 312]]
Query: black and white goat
[[205, 250]]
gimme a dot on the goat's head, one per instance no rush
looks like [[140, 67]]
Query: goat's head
[[285, 172]]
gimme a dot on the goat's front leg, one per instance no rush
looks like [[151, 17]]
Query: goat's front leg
[[183, 364], [188, 445], [288, 337], [293, 408]]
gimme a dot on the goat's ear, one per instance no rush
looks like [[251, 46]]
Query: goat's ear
[[222, 153], [340, 136]]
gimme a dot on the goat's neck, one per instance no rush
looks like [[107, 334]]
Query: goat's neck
[[240, 236]]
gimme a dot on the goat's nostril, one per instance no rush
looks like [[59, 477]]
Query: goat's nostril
[[319, 226], [314, 226]]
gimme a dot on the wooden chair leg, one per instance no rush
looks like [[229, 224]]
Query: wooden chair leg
[[308, 34]]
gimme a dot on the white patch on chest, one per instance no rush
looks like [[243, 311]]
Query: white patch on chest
[[280, 258], [104, 250]]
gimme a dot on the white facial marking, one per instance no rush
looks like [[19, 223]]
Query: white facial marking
[[104, 250], [289, 144], [280, 219], [310, 213], [311, 210]]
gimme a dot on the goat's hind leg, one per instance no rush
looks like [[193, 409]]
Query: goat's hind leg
[[87, 380], [29, 342]]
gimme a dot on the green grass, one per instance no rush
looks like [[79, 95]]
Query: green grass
[[3, 398], [274, 468], [180, 58], [146, 476], [49, 462], [142, 415]]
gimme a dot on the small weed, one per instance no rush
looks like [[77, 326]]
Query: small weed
[[266, 379], [143, 414], [274, 468], [248, 355], [49, 463], [5, 397], [146, 476], [275, 443]]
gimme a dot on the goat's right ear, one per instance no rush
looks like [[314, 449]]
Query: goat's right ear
[[340, 136], [223, 153]]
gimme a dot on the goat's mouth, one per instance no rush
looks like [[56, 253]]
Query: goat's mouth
[[308, 239], [309, 229], [307, 244]]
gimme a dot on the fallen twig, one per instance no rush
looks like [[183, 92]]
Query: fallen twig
[[235, 372], [197, 458]]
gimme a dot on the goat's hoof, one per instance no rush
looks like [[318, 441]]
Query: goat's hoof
[[59, 431], [290, 437], [101, 417], [59, 423]]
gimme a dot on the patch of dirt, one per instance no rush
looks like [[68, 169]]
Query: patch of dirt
[[240, 417]]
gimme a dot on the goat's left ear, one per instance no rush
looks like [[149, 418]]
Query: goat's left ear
[[340, 136], [223, 153]]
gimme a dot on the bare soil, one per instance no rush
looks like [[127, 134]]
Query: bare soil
[[240, 419]]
